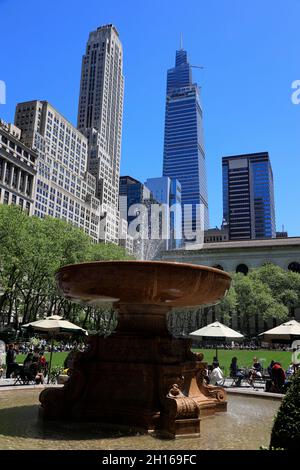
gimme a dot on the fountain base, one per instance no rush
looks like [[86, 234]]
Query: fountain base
[[144, 381]]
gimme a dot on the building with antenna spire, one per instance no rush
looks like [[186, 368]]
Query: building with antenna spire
[[184, 155]]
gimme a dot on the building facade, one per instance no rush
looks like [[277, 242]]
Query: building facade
[[125, 240], [100, 114], [215, 235], [167, 191], [64, 187], [144, 216], [133, 192], [18, 165], [241, 256], [248, 196], [184, 155]]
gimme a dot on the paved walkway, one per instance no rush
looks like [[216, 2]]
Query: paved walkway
[[245, 385], [254, 392], [246, 389], [8, 384]]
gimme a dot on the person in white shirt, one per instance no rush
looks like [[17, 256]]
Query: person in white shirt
[[216, 376]]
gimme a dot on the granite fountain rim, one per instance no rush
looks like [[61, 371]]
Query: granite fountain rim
[[196, 267]]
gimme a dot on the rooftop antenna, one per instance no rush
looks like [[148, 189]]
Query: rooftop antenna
[[181, 41]]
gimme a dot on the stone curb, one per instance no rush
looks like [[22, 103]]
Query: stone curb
[[255, 393]]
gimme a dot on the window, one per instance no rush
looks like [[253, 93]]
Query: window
[[6, 197]]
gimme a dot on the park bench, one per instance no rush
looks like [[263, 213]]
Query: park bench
[[24, 376]]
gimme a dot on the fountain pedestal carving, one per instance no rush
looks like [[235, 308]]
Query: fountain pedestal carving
[[140, 376]]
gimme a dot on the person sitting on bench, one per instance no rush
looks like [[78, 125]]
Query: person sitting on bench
[[30, 370], [235, 372], [255, 371], [278, 375], [216, 376]]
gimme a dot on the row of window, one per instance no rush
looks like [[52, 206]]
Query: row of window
[[9, 198], [18, 149]]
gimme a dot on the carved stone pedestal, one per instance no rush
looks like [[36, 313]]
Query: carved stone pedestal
[[147, 382]]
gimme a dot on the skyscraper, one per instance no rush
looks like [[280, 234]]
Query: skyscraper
[[100, 114], [248, 196], [184, 156], [136, 193], [64, 187], [168, 192], [136, 205]]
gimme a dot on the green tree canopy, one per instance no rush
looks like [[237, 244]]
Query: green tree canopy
[[31, 251], [268, 291]]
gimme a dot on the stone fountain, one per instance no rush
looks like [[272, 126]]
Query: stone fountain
[[140, 376]]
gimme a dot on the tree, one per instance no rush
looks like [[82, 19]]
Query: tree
[[228, 306], [284, 285], [107, 251], [267, 292], [31, 251], [255, 297]]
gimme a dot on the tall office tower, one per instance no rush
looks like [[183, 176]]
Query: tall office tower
[[135, 193], [64, 188], [184, 156], [100, 112], [248, 196], [167, 191]]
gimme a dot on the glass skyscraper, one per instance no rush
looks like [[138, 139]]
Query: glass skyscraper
[[168, 191], [184, 156], [248, 196]]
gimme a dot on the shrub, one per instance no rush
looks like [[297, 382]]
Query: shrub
[[286, 428], [54, 373]]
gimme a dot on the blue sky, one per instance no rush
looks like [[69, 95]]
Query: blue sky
[[250, 51]]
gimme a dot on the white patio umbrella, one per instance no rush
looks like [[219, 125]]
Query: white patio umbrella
[[54, 326], [217, 332], [286, 331]]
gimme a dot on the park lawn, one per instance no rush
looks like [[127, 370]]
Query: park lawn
[[57, 358], [245, 357]]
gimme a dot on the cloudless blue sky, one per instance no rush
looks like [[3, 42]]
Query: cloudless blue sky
[[250, 51]]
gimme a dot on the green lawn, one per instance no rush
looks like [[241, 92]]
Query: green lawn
[[57, 358], [244, 357]]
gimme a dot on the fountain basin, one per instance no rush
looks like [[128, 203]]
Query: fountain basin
[[246, 425], [143, 282]]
